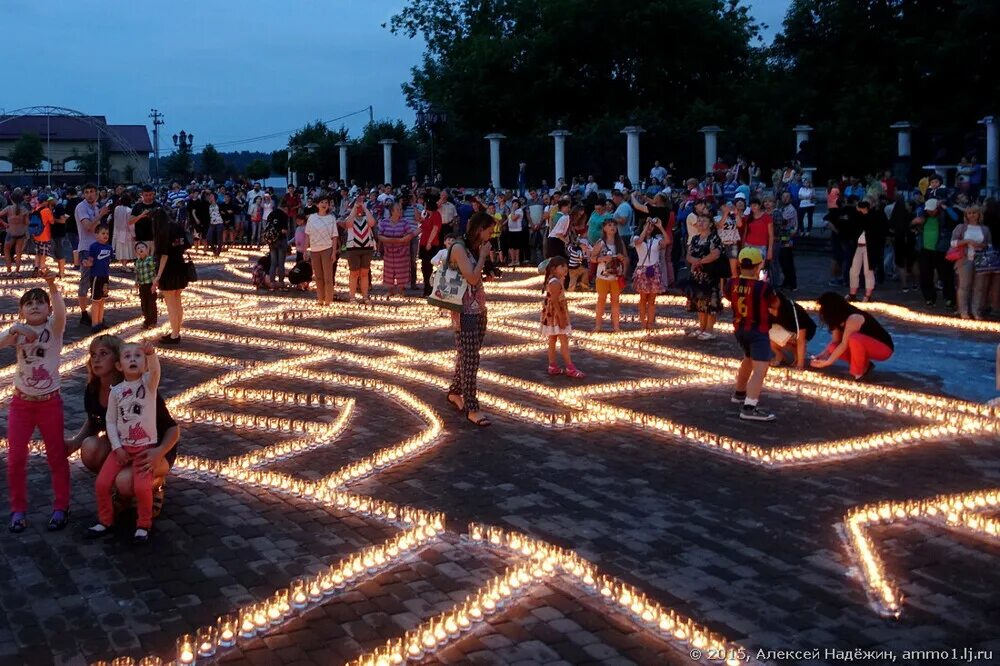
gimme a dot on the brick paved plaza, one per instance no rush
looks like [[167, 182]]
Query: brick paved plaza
[[685, 529]]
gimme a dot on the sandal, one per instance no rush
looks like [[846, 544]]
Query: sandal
[[17, 522], [59, 520], [482, 421], [555, 370], [453, 403], [571, 371]]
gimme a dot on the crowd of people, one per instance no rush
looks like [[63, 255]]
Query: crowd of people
[[721, 237]]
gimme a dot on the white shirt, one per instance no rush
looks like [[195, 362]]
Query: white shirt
[[132, 413], [252, 197], [591, 188], [448, 212], [515, 221], [974, 233], [37, 370], [648, 251], [806, 197], [561, 228], [321, 230], [439, 258]]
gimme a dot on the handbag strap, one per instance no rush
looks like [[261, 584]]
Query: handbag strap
[[795, 316]]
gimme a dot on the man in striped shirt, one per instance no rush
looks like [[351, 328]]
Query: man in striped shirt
[[751, 300]]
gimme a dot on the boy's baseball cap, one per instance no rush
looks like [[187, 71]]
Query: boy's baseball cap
[[750, 257]]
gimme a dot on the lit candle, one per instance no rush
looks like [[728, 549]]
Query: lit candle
[[186, 649], [206, 641], [227, 626]]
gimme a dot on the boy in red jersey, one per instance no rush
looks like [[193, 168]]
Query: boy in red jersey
[[751, 300]]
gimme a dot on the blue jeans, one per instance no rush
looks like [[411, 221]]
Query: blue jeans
[[278, 254], [215, 237]]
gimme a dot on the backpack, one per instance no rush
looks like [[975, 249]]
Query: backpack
[[35, 224], [270, 234]]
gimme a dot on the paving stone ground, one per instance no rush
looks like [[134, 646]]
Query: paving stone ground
[[750, 552]]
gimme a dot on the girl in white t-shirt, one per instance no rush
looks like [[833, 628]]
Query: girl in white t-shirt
[[515, 230], [36, 401], [131, 423]]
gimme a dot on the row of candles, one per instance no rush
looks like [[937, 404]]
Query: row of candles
[[431, 636], [959, 511], [544, 559]]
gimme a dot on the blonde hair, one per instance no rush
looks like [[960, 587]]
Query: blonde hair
[[112, 343]]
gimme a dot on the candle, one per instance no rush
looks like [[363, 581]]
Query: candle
[[123, 661], [298, 594], [186, 649], [150, 661], [206, 641], [227, 626]]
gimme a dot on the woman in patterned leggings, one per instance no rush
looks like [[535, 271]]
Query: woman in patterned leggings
[[469, 256]]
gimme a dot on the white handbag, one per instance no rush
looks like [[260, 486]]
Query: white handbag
[[448, 287]]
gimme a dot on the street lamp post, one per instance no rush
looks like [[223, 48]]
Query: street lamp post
[[184, 142], [431, 118]]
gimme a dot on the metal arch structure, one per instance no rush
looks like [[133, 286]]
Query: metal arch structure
[[142, 174]]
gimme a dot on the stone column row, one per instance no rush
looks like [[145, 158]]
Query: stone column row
[[711, 132]]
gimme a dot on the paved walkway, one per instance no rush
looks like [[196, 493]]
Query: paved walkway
[[750, 553]]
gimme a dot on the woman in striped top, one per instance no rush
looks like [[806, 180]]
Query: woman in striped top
[[359, 248], [396, 232]]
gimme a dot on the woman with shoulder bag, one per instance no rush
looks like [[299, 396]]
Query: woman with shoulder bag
[[968, 239], [469, 256]]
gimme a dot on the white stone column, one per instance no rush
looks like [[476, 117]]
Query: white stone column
[[801, 136], [632, 133], [711, 133], [992, 155], [494, 140], [559, 136], [290, 179], [903, 134], [343, 160], [387, 159]]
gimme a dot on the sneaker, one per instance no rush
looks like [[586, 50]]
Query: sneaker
[[929, 304], [85, 319], [97, 328], [99, 530], [705, 335], [738, 397], [851, 298], [168, 340], [869, 298], [141, 536], [755, 413], [693, 333], [17, 522]]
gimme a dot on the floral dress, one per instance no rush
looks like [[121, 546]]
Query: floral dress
[[555, 310], [703, 286]]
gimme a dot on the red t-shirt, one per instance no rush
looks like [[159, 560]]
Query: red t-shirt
[[427, 226], [750, 300], [757, 229]]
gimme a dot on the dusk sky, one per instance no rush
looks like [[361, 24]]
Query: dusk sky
[[224, 71]]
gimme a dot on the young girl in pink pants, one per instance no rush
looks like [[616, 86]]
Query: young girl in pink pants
[[36, 401], [131, 423]]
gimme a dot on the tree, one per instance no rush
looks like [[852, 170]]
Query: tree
[[178, 163], [27, 152], [212, 163], [88, 161], [314, 149], [258, 170], [895, 60], [517, 67], [279, 161]]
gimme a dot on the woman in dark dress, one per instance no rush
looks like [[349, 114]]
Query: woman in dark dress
[[704, 293], [856, 337], [171, 276], [91, 439]]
